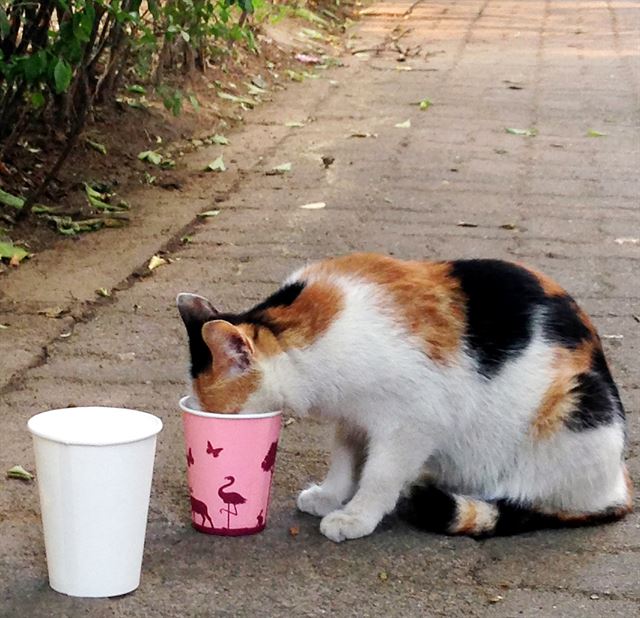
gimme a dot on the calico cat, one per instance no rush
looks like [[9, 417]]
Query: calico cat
[[475, 389]]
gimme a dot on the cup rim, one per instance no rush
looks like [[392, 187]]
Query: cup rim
[[184, 406], [35, 426]]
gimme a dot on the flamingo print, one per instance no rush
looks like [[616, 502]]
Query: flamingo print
[[213, 451], [230, 498], [269, 460], [190, 459]]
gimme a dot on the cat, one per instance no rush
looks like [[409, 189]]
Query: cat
[[473, 395]]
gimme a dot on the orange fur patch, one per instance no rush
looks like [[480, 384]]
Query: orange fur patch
[[548, 285], [559, 400], [426, 296], [308, 317], [225, 396], [466, 518]]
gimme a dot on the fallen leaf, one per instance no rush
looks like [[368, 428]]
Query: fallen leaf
[[594, 133], [425, 104], [18, 472], [495, 599], [136, 89], [156, 261], [283, 168], [627, 241], [221, 140], [383, 576], [209, 213], [466, 224], [308, 59], [236, 99], [103, 292], [185, 240], [635, 317], [216, 166], [294, 531], [11, 252], [523, 132], [294, 125], [151, 156], [101, 148], [362, 134], [401, 67], [509, 226], [4, 326], [403, 125], [289, 421], [52, 312], [11, 200], [313, 206]]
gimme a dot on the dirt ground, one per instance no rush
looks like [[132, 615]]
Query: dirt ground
[[453, 182]]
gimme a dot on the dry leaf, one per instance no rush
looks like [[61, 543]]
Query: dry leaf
[[208, 213], [383, 576], [156, 261], [103, 292], [294, 531], [278, 170], [509, 226], [496, 599], [216, 166], [4, 326], [403, 125], [313, 206], [362, 134], [627, 241], [289, 421], [52, 312], [466, 224]]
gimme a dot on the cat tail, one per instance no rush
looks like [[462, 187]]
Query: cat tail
[[435, 510]]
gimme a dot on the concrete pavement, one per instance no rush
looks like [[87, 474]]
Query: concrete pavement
[[562, 200]]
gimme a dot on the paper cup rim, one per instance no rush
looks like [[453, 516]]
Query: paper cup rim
[[154, 428], [185, 407]]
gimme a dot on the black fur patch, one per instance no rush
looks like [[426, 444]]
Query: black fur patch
[[562, 324], [428, 508], [501, 301], [595, 406], [201, 358]]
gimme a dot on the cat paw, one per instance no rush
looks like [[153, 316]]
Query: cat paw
[[341, 525], [315, 501]]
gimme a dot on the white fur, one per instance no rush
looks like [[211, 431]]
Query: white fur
[[472, 434]]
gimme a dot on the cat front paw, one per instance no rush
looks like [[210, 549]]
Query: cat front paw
[[342, 525], [315, 501]]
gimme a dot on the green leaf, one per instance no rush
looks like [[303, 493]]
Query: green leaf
[[136, 89], [594, 133], [194, 102], [18, 472], [10, 252], [11, 200], [221, 140], [279, 169], [62, 74], [425, 104], [37, 100], [216, 166], [151, 156], [101, 148], [5, 26], [522, 132]]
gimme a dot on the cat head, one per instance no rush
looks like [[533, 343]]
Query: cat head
[[225, 366]]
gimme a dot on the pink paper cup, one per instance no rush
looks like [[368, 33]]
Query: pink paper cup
[[230, 464]]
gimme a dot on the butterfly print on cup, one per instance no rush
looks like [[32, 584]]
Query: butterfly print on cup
[[213, 451]]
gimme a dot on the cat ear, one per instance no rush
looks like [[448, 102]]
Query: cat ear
[[231, 349], [195, 309]]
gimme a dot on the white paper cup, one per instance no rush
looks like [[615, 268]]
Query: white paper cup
[[94, 467]]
